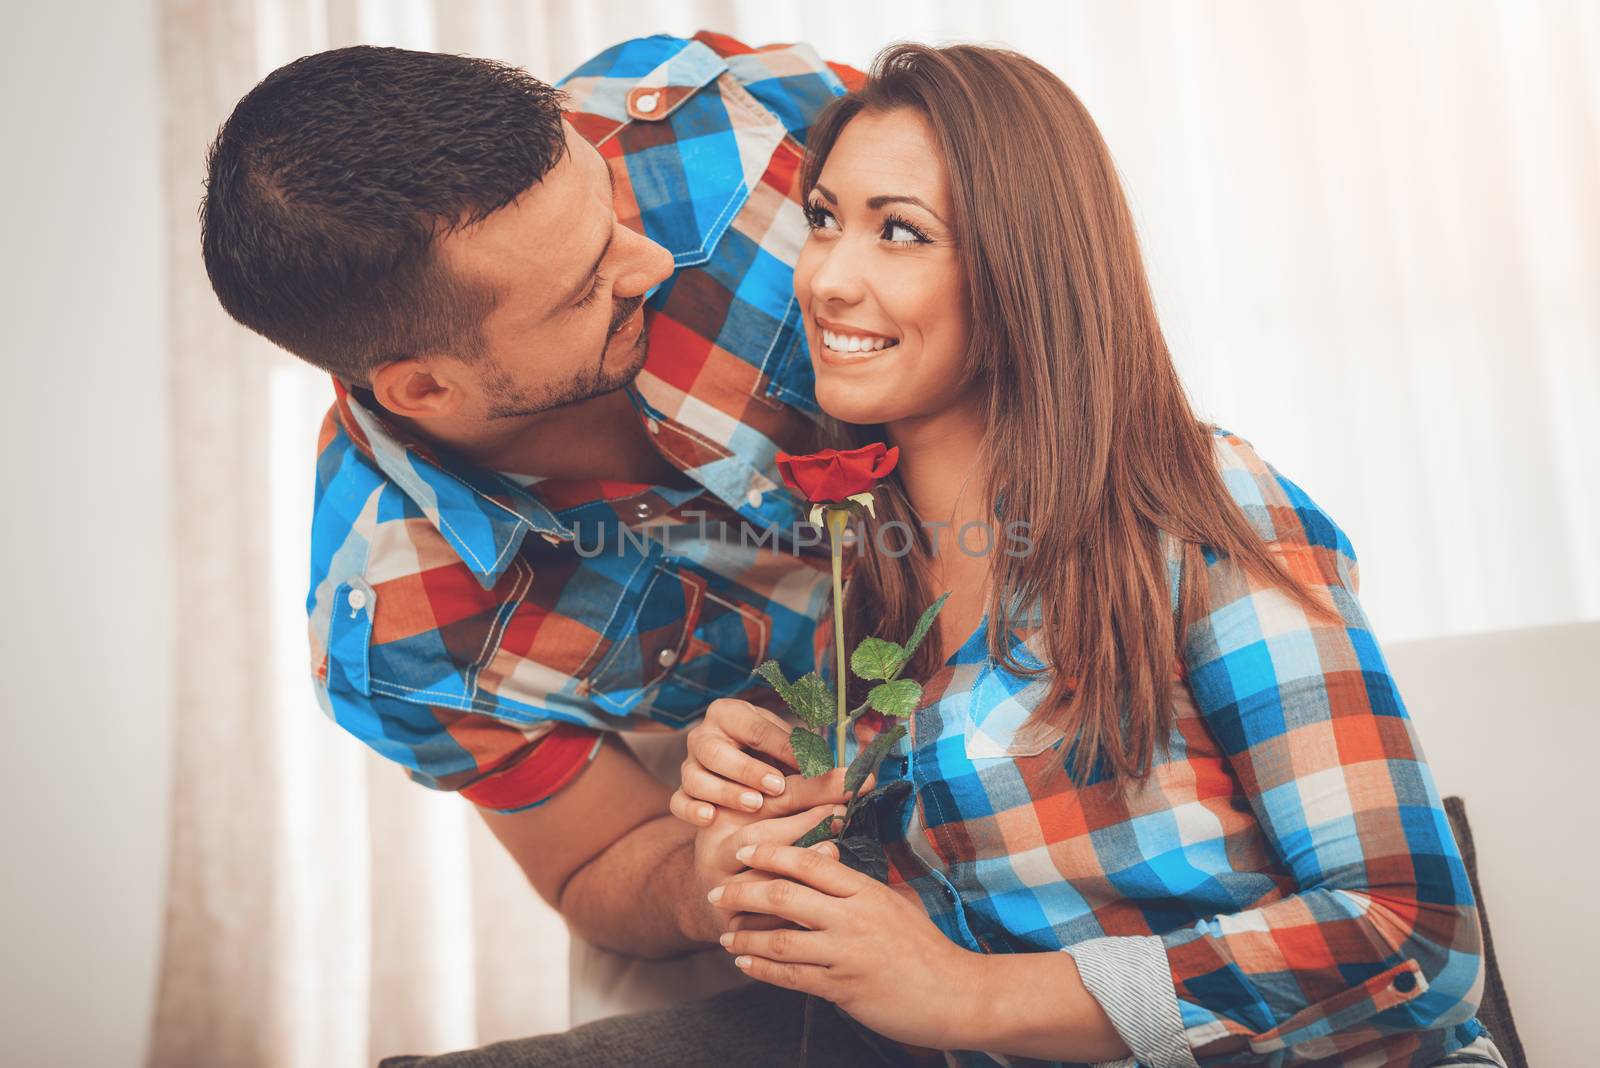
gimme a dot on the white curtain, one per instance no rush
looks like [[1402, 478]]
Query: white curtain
[[1374, 235]]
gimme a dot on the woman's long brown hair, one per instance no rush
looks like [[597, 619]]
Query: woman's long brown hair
[[1091, 439]]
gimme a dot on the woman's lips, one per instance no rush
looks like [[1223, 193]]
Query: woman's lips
[[834, 358], [844, 345]]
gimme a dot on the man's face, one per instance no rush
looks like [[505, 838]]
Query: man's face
[[569, 282]]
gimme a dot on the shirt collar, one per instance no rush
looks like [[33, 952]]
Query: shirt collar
[[482, 515]]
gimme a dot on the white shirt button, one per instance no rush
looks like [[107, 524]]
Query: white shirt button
[[647, 102], [642, 510], [667, 657], [753, 498], [358, 599], [653, 426]]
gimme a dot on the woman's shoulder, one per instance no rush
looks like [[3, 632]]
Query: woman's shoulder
[[1282, 513]]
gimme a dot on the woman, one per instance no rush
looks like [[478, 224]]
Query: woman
[[1165, 800]]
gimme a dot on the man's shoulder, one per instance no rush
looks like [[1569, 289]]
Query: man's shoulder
[[641, 57], [389, 581], [645, 79]]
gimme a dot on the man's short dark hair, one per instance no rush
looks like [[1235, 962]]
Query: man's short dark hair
[[327, 185]]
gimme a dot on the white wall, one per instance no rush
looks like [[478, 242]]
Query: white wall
[[84, 632]]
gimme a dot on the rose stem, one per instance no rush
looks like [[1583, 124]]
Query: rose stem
[[837, 520]]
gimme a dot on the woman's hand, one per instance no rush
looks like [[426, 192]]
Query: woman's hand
[[718, 773], [859, 944], [803, 804]]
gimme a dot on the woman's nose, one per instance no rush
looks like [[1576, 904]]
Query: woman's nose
[[838, 276]]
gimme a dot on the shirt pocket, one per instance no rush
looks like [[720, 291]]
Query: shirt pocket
[[646, 635], [789, 377], [679, 646], [442, 665], [998, 704], [692, 145], [726, 645]]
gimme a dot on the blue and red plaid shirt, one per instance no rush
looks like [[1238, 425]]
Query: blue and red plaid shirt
[[461, 623], [1285, 889]]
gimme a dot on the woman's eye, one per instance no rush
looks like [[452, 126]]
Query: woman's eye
[[819, 218], [902, 233]]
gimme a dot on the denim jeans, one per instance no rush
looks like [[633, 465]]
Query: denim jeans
[[755, 1026]]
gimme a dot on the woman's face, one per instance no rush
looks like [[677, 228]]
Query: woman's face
[[879, 280]]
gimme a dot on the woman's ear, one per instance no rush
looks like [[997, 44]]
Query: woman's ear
[[419, 388]]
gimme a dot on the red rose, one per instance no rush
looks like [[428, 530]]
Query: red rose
[[831, 476]]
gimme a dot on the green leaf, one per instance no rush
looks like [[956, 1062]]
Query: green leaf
[[924, 624], [876, 658], [811, 754], [867, 761], [865, 855], [820, 833], [773, 673], [812, 701], [897, 698], [807, 696]]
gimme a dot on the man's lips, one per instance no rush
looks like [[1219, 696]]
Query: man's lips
[[620, 324], [636, 318]]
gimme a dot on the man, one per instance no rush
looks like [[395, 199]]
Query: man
[[551, 334]]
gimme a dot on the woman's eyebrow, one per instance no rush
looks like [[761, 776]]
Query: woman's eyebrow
[[876, 203]]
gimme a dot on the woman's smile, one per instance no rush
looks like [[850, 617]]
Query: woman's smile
[[842, 344]]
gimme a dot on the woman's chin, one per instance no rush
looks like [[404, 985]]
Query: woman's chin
[[849, 403]]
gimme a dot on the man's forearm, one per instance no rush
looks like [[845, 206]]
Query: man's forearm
[[639, 896]]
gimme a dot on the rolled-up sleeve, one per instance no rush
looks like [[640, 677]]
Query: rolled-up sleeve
[[495, 764], [1381, 935]]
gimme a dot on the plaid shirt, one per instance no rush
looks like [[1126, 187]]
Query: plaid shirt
[[1285, 889], [461, 622]]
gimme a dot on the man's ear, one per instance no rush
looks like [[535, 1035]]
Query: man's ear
[[420, 388]]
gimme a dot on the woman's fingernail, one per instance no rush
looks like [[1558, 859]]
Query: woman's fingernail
[[726, 938], [838, 810], [743, 962], [774, 784], [705, 812], [746, 852], [715, 895], [750, 800]]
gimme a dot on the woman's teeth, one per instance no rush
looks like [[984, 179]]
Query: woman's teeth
[[851, 343]]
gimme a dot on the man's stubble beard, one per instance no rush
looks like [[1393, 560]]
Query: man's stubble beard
[[506, 401]]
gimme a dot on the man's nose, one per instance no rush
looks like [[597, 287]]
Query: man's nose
[[649, 264]]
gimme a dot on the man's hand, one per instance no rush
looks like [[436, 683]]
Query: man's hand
[[719, 774], [802, 805]]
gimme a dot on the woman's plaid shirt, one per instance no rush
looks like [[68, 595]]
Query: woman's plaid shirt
[[1284, 890]]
